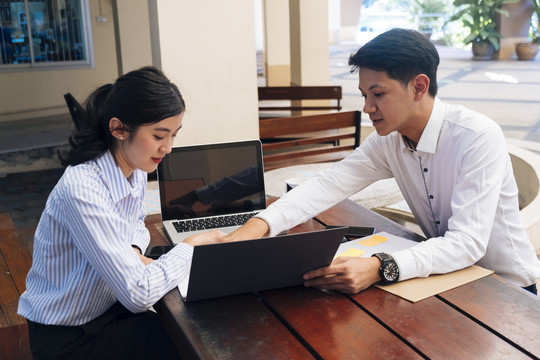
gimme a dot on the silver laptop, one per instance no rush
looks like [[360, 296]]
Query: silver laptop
[[214, 186]]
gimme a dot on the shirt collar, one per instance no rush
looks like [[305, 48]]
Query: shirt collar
[[116, 181], [430, 136]]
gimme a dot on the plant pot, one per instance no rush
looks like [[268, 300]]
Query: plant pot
[[482, 50], [526, 50]]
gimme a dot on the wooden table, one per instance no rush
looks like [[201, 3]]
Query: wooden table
[[486, 319]]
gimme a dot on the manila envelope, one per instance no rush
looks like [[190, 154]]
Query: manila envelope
[[420, 288]]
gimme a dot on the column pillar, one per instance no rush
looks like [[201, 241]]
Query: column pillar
[[208, 49], [133, 37], [310, 62], [350, 15], [277, 54], [514, 28]]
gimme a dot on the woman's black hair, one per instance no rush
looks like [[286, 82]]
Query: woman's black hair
[[140, 97], [402, 54]]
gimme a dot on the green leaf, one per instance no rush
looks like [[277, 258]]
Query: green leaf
[[494, 42], [469, 39]]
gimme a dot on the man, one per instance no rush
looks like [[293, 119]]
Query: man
[[450, 163]]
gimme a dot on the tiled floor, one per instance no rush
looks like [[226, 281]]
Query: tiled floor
[[506, 90], [24, 196]]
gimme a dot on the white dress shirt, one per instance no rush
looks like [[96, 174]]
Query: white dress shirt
[[458, 183], [83, 260]]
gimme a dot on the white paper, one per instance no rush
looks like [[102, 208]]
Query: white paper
[[183, 286]]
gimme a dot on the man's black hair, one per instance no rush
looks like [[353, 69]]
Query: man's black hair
[[402, 54]]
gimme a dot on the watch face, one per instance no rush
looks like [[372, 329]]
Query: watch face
[[391, 272]]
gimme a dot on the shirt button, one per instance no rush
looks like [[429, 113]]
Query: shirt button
[[437, 222], [431, 196], [425, 169]]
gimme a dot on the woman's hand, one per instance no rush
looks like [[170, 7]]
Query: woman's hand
[[144, 259], [210, 237]]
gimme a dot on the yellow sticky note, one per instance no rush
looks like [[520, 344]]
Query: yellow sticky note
[[352, 252], [373, 240]]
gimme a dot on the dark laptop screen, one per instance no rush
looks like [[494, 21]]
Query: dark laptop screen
[[215, 179]]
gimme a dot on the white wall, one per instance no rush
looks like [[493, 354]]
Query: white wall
[[310, 61], [208, 50]]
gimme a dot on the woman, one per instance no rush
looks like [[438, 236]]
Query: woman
[[89, 289]]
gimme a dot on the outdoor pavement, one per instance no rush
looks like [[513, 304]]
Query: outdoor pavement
[[507, 91]]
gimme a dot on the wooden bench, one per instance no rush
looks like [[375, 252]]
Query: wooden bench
[[296, 93], [15, 261], [309, 139]]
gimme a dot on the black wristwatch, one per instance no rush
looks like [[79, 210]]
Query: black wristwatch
[[389, 270]]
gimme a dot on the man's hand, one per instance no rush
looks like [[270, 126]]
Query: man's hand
[[210, 237], [254, 228], [346, 274]]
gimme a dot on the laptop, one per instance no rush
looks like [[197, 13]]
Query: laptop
[[261, 264], [213, 186]]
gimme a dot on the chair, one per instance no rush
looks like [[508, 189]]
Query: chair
[[75, 109], [294, 94], [309, 139], [304, 145]]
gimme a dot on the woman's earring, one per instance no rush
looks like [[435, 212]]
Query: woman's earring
[[121, 138]]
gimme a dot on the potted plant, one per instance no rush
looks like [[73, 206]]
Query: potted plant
[[480, 17], [528, 50]]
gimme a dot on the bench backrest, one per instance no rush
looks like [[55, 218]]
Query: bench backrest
[[75, 109], [292, 93], [309, 139]]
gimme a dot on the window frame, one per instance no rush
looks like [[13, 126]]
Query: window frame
[[58, 65]]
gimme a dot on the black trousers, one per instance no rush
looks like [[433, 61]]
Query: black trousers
[[117, 334]]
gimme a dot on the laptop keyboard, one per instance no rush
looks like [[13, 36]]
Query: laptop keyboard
[[212, 222]]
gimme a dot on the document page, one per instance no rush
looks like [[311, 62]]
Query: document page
[[183, 286], [414, 289]]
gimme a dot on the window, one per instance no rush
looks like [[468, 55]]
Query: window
[[44, 33]]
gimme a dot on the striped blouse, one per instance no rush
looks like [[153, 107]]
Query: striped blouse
[[83, 260]]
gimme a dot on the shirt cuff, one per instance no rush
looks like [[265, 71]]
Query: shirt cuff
[[185, 253], [183, 250], [406, 264], [270, 234], [271, 217], [141, 240]]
